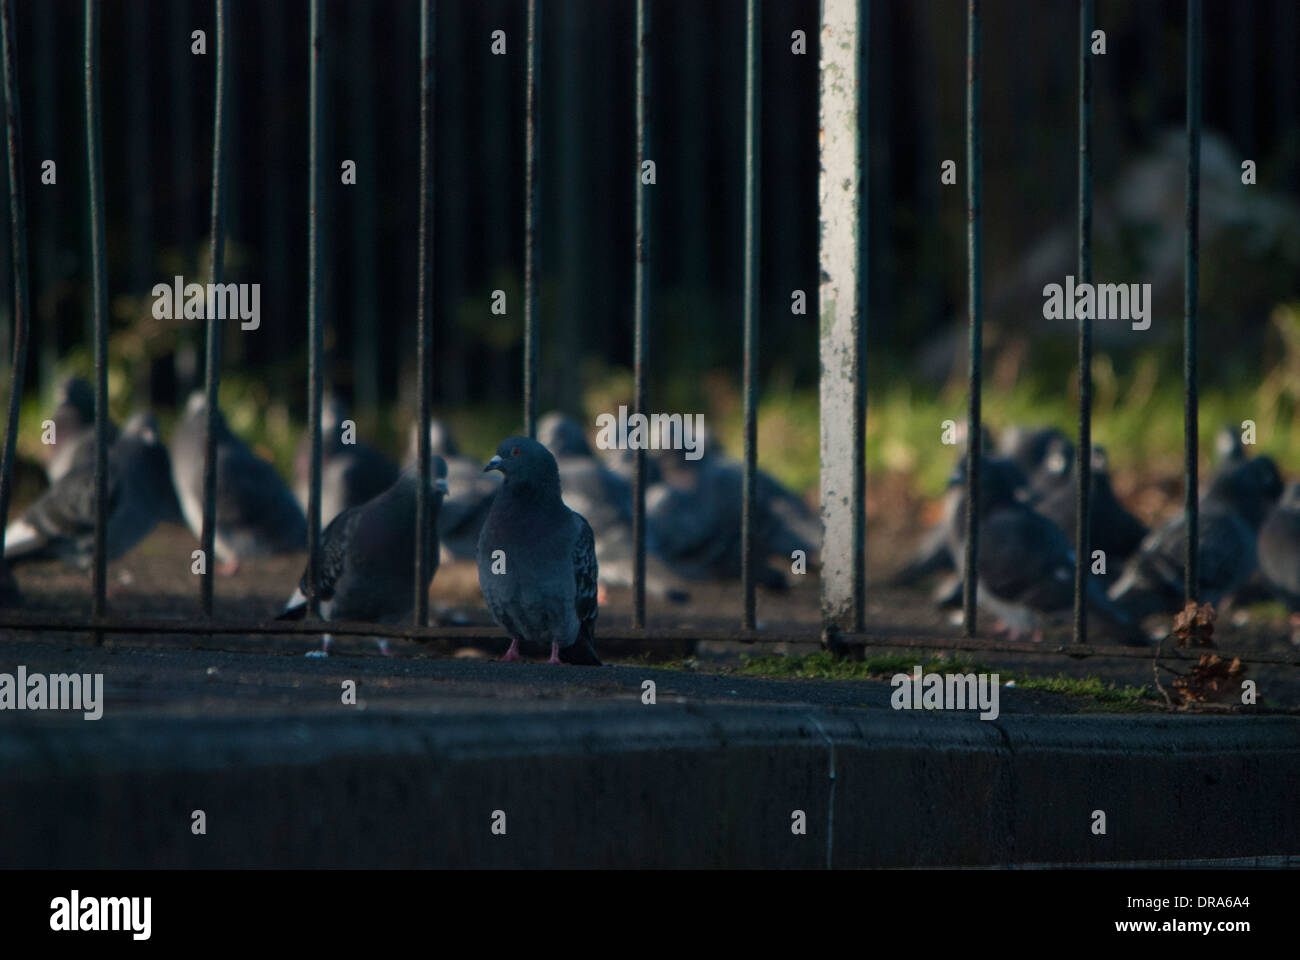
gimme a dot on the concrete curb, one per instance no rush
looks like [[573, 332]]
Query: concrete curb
[[632, 785]]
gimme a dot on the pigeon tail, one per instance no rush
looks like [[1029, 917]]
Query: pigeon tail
[[583, 651]]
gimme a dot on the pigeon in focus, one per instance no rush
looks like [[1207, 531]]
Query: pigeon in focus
[[469, 492], [256, 513], [74, 429], [1026, 564], [537, 558], [61, 522], [1228, 520], [592, 489], [351, 473], [367, 557], [1279, 548]]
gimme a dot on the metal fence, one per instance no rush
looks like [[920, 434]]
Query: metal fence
[[844, 324]]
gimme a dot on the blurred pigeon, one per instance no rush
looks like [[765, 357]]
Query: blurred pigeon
[[350, 474], [1043, 454], [537, 558], [469, 493], [74, 429], [256, 514], [1228, 448], [1026, 564], [1279, 548], [61, 523], [694, 515], [368, 557], [623, 462], [933, 553], [1111, 527], [591, 489], [1228, 519]]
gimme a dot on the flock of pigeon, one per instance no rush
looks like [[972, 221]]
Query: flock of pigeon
[[548, 523], [1248, 538]]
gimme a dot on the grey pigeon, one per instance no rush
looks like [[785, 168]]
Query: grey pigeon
[[1043, 454], [74, 429], [1228, 448], [537, 558], [351, 473], [1228, 519], [469, 492], [694, 515], [623, 462], [1279, 548], [61, 522], [368, 557], [1026, 564], [256, 513], [596, 492], [1111, 527], [932, 554]]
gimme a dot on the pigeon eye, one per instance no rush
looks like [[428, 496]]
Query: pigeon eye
[[514, 452]]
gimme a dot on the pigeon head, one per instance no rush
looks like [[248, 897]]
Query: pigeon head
[[1100, 462], [1227, 445], [410, 477], [1029, 447], [77, 394], [525, 463], [1058, 460], [143, 426], [1002, 482], [562, 435], [196, 409], [1250, 487]]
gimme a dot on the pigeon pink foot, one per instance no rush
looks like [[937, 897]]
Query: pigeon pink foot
[[555, 654], [512, 654]]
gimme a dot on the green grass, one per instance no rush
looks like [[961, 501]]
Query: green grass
[[824, 666]]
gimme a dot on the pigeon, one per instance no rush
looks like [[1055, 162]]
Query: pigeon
[[622, 461], [1279, 548], [351, 472], [367, 557], [1026, 564], [932, 554], [470, 493], [74, 429], [1111, 527], [694, 516], [537, 558], [1228, 520], [1229, 451], [591, 489], [256, 513], [61, 522], [1044, 454]]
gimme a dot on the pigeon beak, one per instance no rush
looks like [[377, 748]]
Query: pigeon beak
[[493, 464]]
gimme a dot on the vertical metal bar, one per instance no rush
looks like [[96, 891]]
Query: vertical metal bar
[[843, 258], [975, 296], [641, 302], [753, 77], [47, 99], [18, 248], [139, 159], [424, 349], [858, 514], [314, 339], [530, 226], [1083, 460], [1191, 271], [181, 146], [214, 331], [365, 312], [95, 168]]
